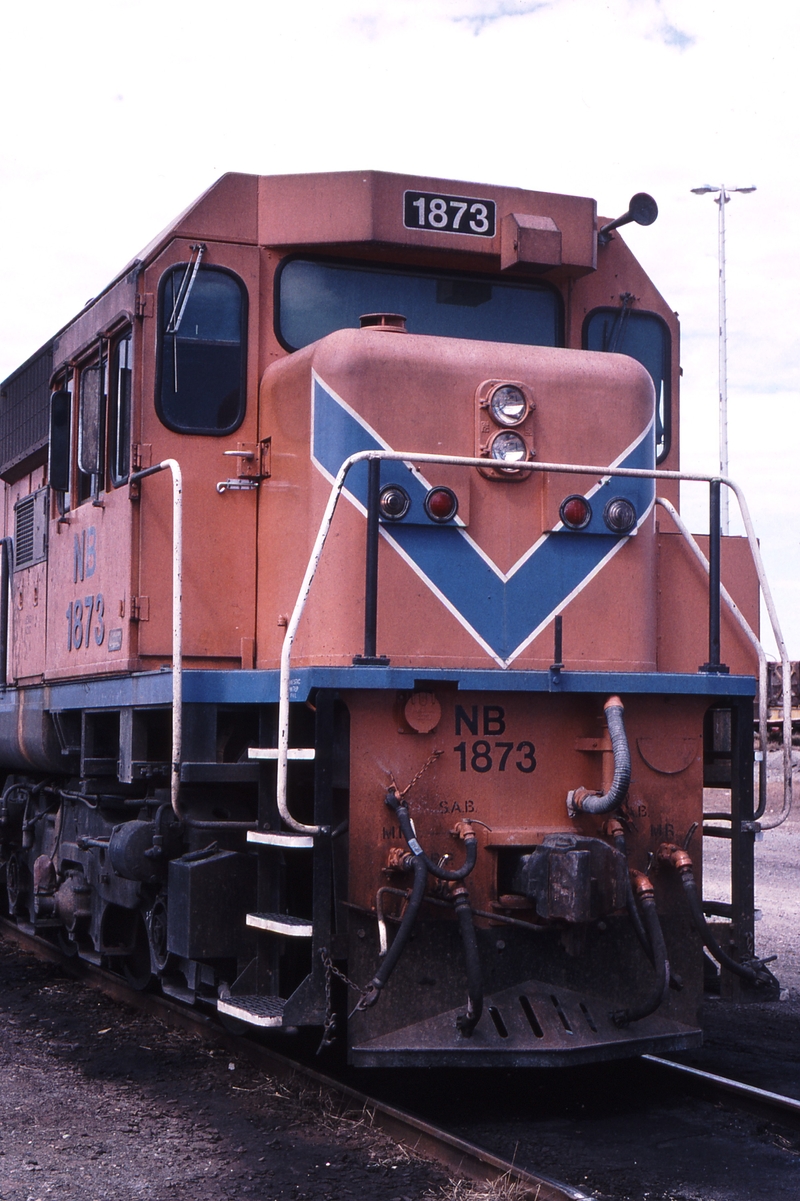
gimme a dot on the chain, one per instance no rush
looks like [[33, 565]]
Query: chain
[[431, 759], [329, 1025]]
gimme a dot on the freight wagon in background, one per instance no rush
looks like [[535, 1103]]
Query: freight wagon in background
[[350, 630]]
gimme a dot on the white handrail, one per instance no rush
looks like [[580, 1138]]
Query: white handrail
[[745, 625], [173, 467], [401, 456]]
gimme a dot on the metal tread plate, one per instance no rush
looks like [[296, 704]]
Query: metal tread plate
[[281, 923], [275, 838], [531, 1024], [253, 1009]]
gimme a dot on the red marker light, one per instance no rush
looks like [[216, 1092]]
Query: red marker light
[[575, 512], [441, 504]]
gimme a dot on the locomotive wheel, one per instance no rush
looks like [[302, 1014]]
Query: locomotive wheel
[[66, 944], [157, 934], [136, 965], [15, 884]]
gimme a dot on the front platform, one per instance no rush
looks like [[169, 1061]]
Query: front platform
[[527, 1025]]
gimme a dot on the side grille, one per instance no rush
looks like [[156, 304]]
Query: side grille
[[30, 529]]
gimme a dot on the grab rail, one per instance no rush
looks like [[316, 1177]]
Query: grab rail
[[398, 456], [173, 466]]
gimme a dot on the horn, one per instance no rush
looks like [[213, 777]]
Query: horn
[[642, 209]]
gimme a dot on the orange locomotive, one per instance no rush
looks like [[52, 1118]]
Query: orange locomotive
[[349, 629]]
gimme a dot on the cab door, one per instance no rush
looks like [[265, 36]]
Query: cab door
[[198, 406]]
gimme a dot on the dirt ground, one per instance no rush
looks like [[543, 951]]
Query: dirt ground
[[100, 1103]]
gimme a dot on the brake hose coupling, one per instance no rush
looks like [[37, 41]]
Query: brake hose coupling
[[642, 884], [464, 831], [398, 860], [674, 856], [613, 828]]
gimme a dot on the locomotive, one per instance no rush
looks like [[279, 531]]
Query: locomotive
[[358, 670]]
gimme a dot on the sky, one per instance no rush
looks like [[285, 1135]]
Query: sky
[[118, 113]]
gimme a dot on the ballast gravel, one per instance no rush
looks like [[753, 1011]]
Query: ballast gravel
[[101, 1103]]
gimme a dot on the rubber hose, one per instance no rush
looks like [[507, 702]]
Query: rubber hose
[[467, 1022], [709, 941], [389, 963], [660, 962], [441, 873], [630, 901], [616, 794]]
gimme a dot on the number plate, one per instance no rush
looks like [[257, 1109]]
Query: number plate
[[449, 214]]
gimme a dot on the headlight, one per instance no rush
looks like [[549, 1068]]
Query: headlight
[[508, 405], [619, 515], [394, 502], [509, 449]]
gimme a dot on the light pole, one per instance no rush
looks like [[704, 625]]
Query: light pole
[[721, 199]]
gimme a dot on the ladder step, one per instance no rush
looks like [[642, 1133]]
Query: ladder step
[[273, 838], [256, 1010], [271, 752], [281, 923]]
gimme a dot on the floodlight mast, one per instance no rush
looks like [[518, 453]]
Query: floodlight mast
[[721, 199]]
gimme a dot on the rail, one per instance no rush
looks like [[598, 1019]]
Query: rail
[[173, 467], [715, 483]]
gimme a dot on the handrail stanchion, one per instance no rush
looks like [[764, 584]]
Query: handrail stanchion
[[371, 583], [173, 466], [714, 549]]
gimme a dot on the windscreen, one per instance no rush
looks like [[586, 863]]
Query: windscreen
[[316, 298], [645, 337]]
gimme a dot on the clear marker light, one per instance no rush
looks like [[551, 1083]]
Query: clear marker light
[[394, 502], [619, 515]]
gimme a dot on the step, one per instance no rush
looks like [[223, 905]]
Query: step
[[253, 1009], [271, 752], [281, 923], [274, 838]]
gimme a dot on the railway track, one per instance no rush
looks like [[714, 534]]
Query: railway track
[[456, 1154], [481, 1151]]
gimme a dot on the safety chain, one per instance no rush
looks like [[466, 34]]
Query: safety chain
[[430, 760], [329, 1025]]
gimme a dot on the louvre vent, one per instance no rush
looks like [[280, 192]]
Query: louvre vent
[[25, 409], [30, 530]]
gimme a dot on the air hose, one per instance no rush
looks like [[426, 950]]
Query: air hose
[[467, 1022], [420, 863], [613, 830], [754, 972], [581, 800], [373, 990], [643, 887]]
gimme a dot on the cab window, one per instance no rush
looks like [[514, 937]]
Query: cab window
[[119, 409], [646, 338], [202, 350]]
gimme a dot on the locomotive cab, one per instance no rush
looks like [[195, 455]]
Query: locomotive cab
[[351, 629]]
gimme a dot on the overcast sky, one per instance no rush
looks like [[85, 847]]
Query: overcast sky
[[118, 113]]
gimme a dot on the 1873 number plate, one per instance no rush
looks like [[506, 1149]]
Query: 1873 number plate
[[449, 214]]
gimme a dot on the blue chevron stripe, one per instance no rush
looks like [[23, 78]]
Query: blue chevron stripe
[[503, 612]]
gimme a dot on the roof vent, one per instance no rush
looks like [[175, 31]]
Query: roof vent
[[395, 322]]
